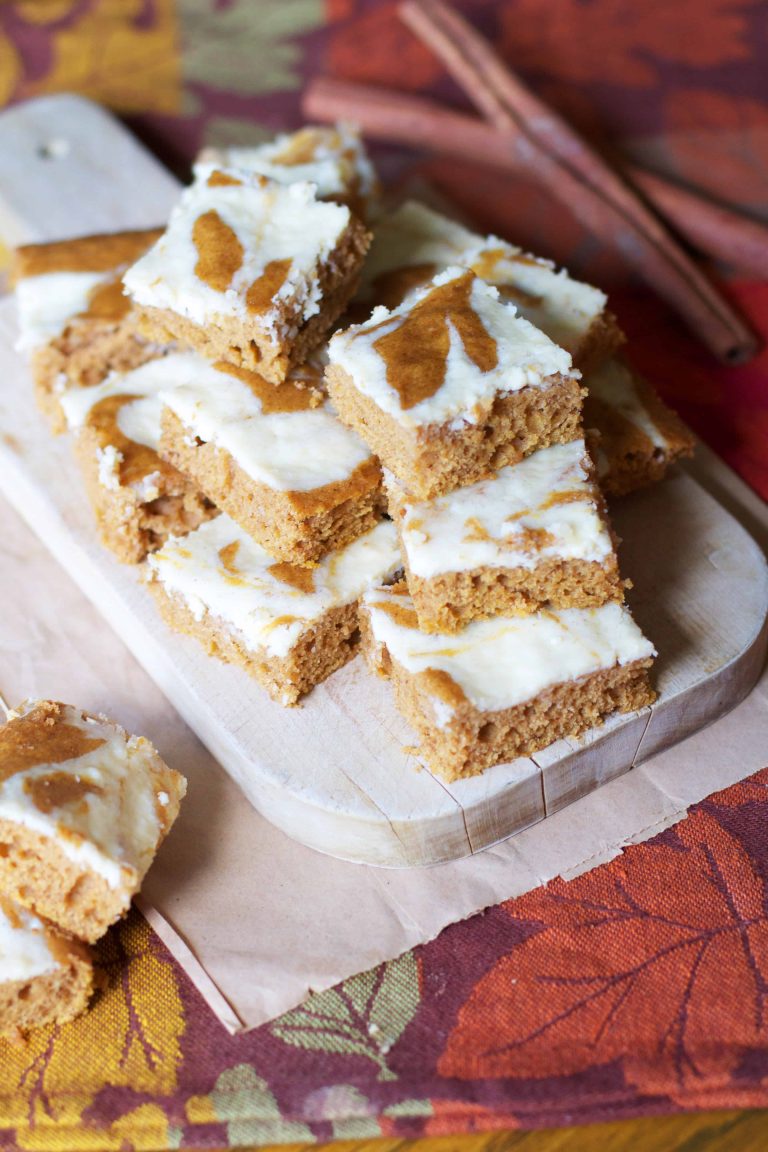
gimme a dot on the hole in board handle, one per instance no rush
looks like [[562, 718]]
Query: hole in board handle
[[55, 149]]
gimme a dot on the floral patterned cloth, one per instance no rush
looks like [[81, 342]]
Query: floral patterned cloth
[[637, 988]]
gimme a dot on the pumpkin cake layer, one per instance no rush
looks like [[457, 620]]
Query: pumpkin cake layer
[[84, 807], [415, 243], [289, 627], [45, 977], [452, 384], [74, 319], [249, 271], [532, 535], [509, 686], [334, 159], [274, 457], [640, 437], [139, 499]]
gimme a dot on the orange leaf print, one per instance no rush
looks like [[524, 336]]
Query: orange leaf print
[[754, 789], [641, 963], [719, 143], [621, 41], [450, 1116], [377, 48]]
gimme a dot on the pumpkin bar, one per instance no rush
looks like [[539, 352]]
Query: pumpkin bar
[[45, 977], [274, 457], [640, 437], [138, 498], [532, 535], [289, 627], [509, 686], [414, 243], [249, 271], [452, 384], [74, 319], [84, 807], [332, 158]]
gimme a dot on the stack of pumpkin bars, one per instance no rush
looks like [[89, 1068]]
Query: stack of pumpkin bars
[[278, 422]]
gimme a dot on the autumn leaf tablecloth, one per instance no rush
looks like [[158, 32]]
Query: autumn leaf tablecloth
[[639, 987]]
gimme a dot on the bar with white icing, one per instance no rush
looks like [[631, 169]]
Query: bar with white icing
[[116, 820], [274, 457], [49, 302], [68, 281], [45, 976], [414, 243], [334, 159], [503, 662], [74, 320], [549, 495], [138, 497], [485, 694], [220, 572], [517, 355], [615, 385], [139, 418], [639, 435], [295, 450], [261, 225], [25, 945], [135, 426], [78, 790]]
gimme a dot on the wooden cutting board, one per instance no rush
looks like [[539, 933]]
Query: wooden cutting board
[[339, 773]]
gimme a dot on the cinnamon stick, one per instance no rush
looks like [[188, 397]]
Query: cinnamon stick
[[580, 178], [710, 227], [414, 120]]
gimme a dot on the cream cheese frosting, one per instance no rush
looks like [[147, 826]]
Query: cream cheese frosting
[[548, 498], [70, 280], [416, 237], [299, 449], [474, 345], [139, 418], [239, 246], [25, 951], [88, 786], [219, 570], [47, 303], [332, 158], [505, 661], [614, 384]]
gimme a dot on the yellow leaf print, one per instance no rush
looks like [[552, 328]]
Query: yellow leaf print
[[109, 56], [10, 69], [49, 12], [129, 1038], [145, 1129]]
